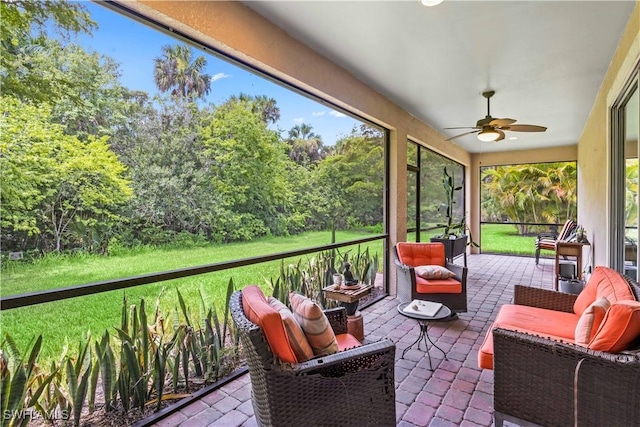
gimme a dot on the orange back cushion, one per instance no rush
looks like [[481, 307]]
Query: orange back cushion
[[619, 328], [297, 340], [258, 311], [604, 282], [415, 254]]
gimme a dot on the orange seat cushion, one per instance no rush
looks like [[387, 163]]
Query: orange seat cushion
[[604, 282], [619, 328], [438, 286], [347, 341], [415, 254], [556, 325], [258, 311]]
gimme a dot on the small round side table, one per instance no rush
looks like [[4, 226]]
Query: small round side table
[[442, 315]]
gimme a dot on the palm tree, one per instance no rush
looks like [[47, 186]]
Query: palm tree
[[262, 105], [305, 147], [531, 192], [267, 108], [176, 71]]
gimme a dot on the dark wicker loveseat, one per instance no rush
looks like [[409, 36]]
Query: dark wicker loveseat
[[351, 388], [538, 381]]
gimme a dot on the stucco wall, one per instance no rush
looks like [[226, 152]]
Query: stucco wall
[[593, 147]]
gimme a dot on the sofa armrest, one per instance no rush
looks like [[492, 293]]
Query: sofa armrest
[[459, 271], [543, 298], [366, 357], [406, 278], [545, 382]]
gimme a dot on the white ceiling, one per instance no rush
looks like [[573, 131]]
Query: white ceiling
[[545, 59]]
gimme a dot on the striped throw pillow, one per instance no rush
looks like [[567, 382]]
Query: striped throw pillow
[[433, 272], [315, 324], [297, 340]]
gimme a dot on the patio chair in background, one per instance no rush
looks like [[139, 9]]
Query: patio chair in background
[[410, 258], [548, 241]]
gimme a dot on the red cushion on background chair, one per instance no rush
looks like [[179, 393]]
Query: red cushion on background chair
[[415, 254], [258, 311]]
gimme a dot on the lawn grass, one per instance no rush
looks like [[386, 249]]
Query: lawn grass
[[504, 239], [66, 321]]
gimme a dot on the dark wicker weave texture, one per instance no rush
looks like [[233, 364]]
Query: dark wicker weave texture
[[351, 388], [543, 298], [407, 285], [546, 382]]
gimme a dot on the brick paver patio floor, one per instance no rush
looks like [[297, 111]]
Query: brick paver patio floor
[[456, 393]]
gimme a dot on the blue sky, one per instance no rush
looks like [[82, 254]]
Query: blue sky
[[135, 46]]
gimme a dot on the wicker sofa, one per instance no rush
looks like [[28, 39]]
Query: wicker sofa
[[353, 387], [549, 381]]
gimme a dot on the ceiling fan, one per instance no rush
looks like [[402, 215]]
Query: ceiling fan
[[490, 129]]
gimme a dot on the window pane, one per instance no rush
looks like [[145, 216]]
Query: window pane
[[412, 154], [181, 160], [631, 184], [433, 198], [520, 201]]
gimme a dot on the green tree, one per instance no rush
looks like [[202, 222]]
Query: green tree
[[83, 87], [631, 204], [266, 107], [24, 38], [350, 183], [249, 170], [305, 146], [176, 71], [170, 172], [52, 181]]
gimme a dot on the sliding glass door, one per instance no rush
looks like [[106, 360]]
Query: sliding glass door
[[625, 120]]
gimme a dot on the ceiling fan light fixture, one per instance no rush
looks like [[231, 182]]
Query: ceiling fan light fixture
[[488, 134], [430, 3]]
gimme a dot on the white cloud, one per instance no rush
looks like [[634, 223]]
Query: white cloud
[[337, 114], [318, 113], [298, 120], [219, 76]]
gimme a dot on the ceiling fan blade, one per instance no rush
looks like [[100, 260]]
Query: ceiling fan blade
[[502, 122], [463, 127], [525, 128], [463, 134], [501, 137]]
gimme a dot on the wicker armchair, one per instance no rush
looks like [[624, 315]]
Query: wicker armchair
[[538, 381], [351, 388], [548, 241], [407, 290]]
